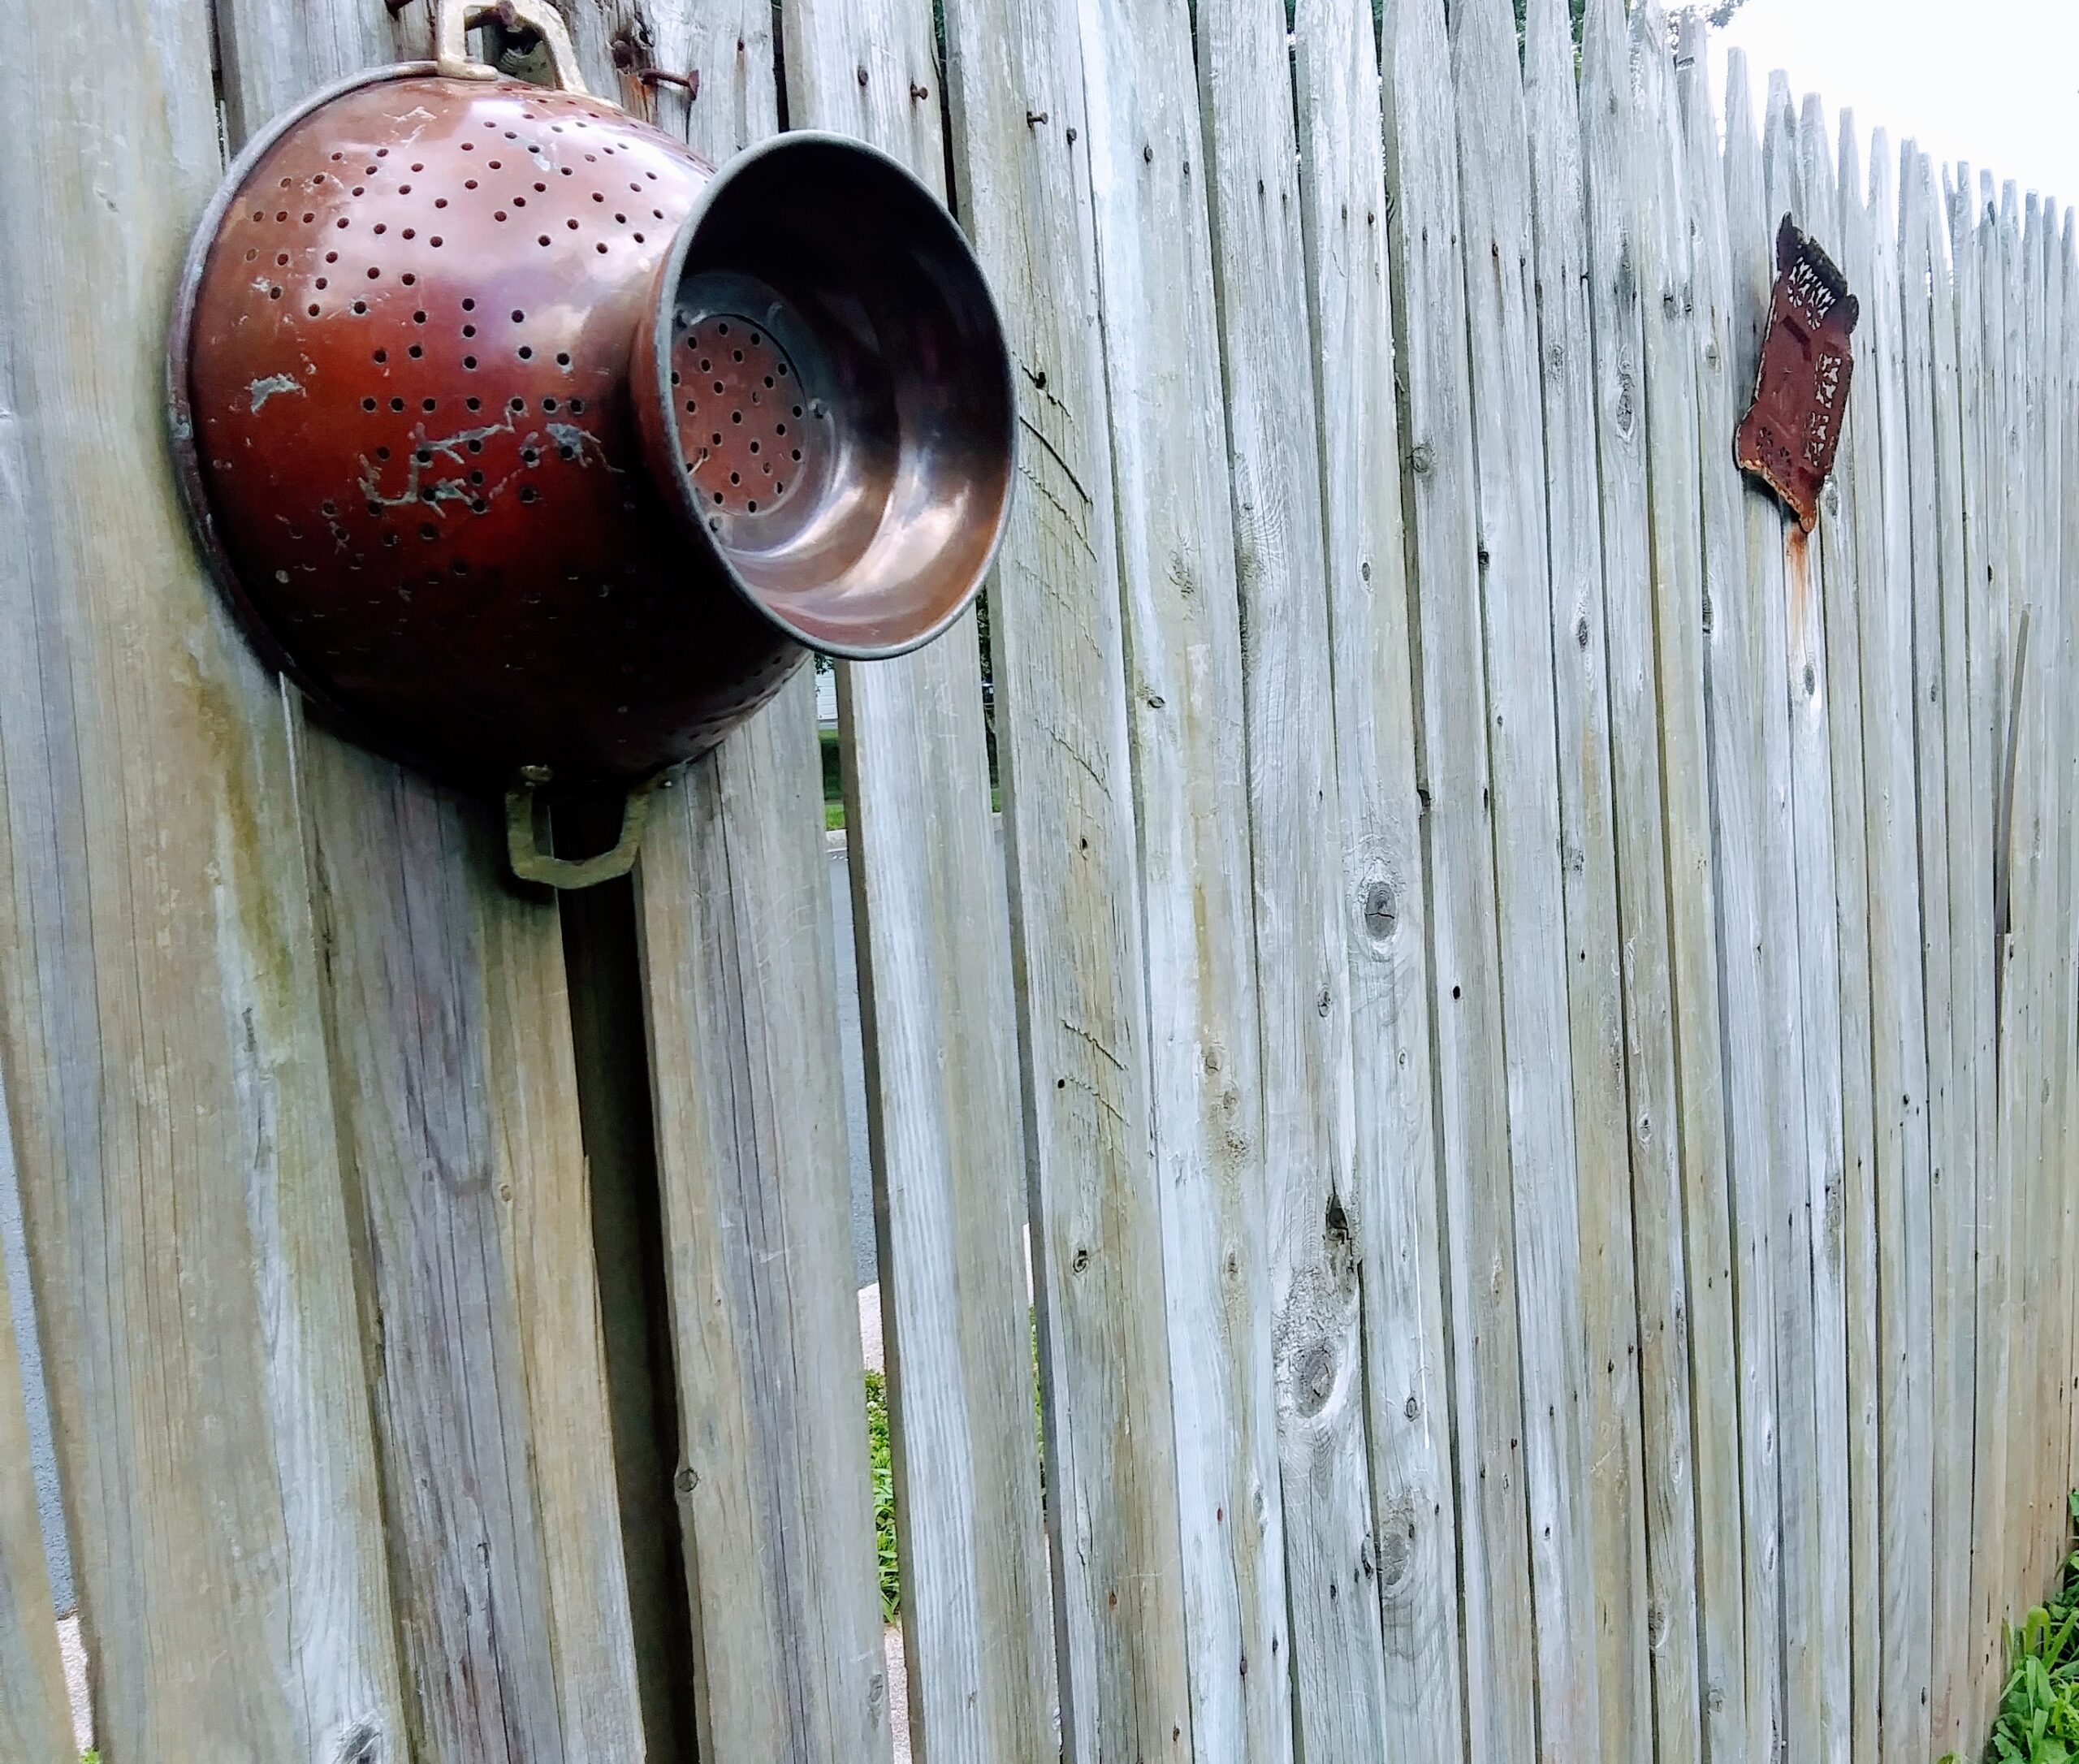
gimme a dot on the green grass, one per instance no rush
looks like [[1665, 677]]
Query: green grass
[[884, 1468], [880, 1454], [833, 814], [2038, 1721]]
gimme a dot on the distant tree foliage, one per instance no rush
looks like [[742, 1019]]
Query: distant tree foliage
[[1715, 13], [1577, 9]]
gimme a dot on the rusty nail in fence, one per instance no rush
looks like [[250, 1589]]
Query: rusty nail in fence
[[1792, 426], [656, 76]]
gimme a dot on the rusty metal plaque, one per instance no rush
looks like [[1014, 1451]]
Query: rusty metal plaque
[[1789, 437]]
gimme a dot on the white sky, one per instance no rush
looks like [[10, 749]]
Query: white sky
[[1994, 82]]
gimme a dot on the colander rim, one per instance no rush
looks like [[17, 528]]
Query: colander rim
[[671, 270]]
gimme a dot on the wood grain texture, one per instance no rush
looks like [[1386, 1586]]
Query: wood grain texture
[[1750, 784], [743, 1050], [1918, 272], [2003, 343], [2062, 446], [1613, 1468], [1393, 1158], [1187, 719], [1815, 822], [935, 967], [1063, 685], [2055, 934], [1897, 1014], [935, 976], [161, 1037], [449, 1033], [36, 1724], [1784, 572], [1972, 243], [2048, 928], [2025, 321], [449, 1030], [1756, 191], [1614, 145], [1968, 843], [1302, 994], [1675, 559], [1847, 536], [1509, 468], [1453, 775], [739, 995], [2066, 374]]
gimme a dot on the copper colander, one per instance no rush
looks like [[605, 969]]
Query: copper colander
[[530, 445]]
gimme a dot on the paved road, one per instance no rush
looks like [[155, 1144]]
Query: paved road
[[855, 1073], [43, 1464]]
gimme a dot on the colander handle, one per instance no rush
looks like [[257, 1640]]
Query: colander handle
[[451, 20], [530, 864]]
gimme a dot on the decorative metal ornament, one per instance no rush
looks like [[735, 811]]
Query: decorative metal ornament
[[539, 452], [1792, 428]]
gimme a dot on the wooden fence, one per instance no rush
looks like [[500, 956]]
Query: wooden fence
[[1524, 1029]]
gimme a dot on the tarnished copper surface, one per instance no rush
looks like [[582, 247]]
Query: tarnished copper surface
[[1792, 427], [415, 348]]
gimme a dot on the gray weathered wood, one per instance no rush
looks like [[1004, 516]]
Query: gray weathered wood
[[36, 1726], [738, 994], [2054, 918], [1740, 668], [1614, 143], [1941, 686], [2021, 689], [449, 1030], [929, 908], [1917, 270], [1452, 772], [1303, 993], [1509, 464], [1057, 654], [1613, 1464], [1384, 904], [1183, 665], [1802, 818], [772, 1483], [2067, 374], [1846, 533], [1972, 241], [1897, 1013], [160, 1029], [1816, 820], [1676, 561], [2056, 913], [2025, 846]]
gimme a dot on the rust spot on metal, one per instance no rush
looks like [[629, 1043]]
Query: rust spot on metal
[[687, 83], [507, 467], [1792, 427]]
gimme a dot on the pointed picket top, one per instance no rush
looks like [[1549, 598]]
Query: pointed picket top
[[1739, 101], [1606, 83]]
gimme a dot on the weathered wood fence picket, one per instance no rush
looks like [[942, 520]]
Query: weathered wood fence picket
[[1515, 1052]]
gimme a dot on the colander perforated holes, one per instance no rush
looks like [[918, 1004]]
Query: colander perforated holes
[[729, 461]]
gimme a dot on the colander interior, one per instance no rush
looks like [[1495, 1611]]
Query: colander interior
[[839, 389]]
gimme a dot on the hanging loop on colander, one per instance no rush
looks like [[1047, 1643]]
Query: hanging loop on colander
[[451, 20], [531, 863]]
